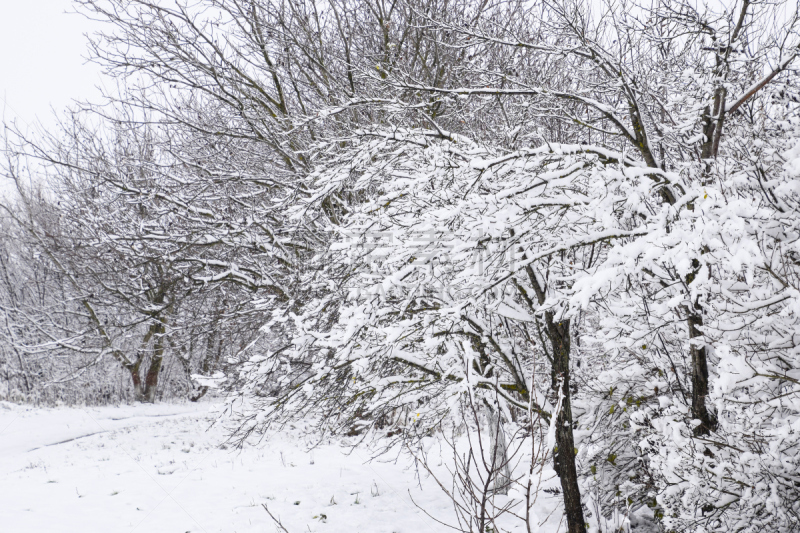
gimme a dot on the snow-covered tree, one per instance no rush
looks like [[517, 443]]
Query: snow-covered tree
[[576, 182], [576, 219]]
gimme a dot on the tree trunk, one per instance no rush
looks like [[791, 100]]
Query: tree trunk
[[698, 352], [146, 392], [211, 343], [564, 456], [138, 390], [712, 129], [500, 466], [699, 378], [151, 379]]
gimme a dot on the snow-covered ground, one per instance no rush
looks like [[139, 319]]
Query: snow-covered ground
[[159, 468]]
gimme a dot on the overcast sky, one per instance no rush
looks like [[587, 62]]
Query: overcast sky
[[42, 51], [42, 63]]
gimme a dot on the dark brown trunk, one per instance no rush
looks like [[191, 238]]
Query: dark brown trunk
[[698, 352], [138, 390], [713, 120], [564, 456], [151, 379], [699, 378]]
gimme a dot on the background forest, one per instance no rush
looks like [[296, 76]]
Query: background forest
[[538, 233]]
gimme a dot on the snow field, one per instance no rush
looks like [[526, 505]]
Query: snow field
[[160, 468]]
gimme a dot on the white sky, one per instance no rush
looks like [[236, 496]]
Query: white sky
[[42, 65]]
